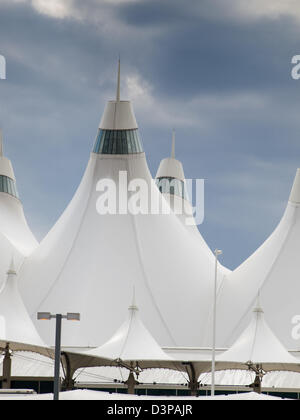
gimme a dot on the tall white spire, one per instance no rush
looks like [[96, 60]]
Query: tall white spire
[[173, 144], [171, 167], [118, 82], [118, 115]]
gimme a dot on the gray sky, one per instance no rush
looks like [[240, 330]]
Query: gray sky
[[217, 71]]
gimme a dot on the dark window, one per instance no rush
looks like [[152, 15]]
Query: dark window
[[169, 185], [118, 142], [8, 186]]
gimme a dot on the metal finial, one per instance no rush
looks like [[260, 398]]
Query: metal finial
[[258, 307], [12, 269], [133, 304], [173, 144], [118, 82]]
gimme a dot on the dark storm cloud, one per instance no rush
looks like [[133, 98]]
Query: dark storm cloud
[[228, 78], [195, 54]]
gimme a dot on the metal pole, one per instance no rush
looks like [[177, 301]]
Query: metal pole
[[213, 360], [58, 318], [131, 382], [6, 367]]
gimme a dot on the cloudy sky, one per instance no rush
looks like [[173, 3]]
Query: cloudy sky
[[218, 71]]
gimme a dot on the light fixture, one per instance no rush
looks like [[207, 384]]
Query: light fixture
[[47, 316]]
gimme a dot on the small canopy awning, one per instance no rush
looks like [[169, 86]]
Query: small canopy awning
[[16, 328], [258, 346], [131, 346]]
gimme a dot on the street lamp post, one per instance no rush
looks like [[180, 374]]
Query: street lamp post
[[213, 360], [69, 317]]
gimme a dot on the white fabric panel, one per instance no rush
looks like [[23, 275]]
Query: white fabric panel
[[6, 168], [131, 342], [274, 270], [16, 327], [16, 239], [118, 116], [258, 345], [88, 263], [170, 167], [13, 225]]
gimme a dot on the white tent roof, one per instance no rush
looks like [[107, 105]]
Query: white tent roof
[[258, 345], [131, 345], [131, 342], [16, 239], [118, 115], [13, 224], [182, 207], [88, 263], [274, 270], [16, 327], [171, 167]]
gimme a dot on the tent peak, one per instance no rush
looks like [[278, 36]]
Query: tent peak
[[11, 269], [133, 306], [258, 307]]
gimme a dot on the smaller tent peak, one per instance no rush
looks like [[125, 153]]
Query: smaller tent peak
[[295, 192], [171, 167], [133, 306], [258, 307], [12, 269]]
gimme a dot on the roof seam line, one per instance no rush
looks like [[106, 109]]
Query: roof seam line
[[70, 250], [133, 219]]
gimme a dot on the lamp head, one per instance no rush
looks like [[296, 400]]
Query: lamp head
[[44, 316]]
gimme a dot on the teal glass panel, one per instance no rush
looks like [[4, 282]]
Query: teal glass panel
[[8, 185], [169, 185], [118, 142]]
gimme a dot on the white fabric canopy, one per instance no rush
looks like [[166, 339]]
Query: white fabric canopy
[[89, 262], [16, 239], [258, 345], [16, 327], [131, 346], [131, 342], [274, 270]]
